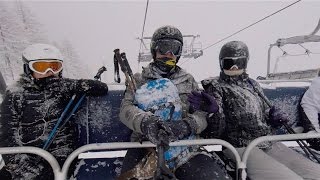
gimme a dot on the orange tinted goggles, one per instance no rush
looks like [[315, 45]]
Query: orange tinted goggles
[[43, 66]]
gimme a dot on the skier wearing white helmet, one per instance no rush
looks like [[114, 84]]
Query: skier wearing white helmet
[[42, 58], [32, 107]]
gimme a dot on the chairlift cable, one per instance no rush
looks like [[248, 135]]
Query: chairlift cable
[[251, 25], [246, 27]]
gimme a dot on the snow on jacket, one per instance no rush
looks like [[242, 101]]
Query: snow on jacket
[[29, 112], [132, 116], [311, 103], [242, 113]]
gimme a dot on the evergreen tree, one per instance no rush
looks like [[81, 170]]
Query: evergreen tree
[[31, 27], [73, 67], [11, 43], [18, 29]]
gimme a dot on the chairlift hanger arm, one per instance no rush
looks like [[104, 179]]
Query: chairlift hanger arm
[[316, 29], [294, 40]]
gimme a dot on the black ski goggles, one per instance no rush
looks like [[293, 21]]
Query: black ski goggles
[[229, 62], [165, 46]]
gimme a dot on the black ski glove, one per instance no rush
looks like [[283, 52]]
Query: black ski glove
[[92, 87], [156, 130], [277, 117], [314, 143], [88, 86], [5, 174], [180, 129]]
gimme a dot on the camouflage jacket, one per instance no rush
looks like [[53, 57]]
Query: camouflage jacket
[[132, 116]]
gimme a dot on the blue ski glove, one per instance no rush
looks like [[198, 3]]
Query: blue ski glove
[[203, 101], [156, 130], [277, 117]]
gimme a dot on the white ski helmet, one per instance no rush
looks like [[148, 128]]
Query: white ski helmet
[[41, 52]]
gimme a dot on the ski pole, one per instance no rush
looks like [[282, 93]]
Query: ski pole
[[100, 71], [162, 171], [54, 133], [129, 70], [116, 69], [125, 68], [46, 144], [301, 143]]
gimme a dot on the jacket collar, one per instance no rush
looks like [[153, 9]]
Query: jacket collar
[[234, 79]]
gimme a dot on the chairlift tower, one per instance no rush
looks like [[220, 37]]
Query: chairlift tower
[[191, 48]]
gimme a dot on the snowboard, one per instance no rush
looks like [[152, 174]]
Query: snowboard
[[161, 97]]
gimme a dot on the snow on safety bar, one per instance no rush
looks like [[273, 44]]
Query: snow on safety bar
[[61, 174]]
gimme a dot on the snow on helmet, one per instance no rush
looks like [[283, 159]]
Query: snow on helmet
[[41, 52], [234, 53], [166, 33]]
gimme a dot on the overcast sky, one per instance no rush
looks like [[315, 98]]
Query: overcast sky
[[97, 28]]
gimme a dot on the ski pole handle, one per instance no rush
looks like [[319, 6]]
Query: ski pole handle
[[129, 70], [124, 69], [100, 71], [116, 69]]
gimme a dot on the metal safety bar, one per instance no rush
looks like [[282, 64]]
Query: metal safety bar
[[61, 174], [37, 151], [129, 145], [259, 140]]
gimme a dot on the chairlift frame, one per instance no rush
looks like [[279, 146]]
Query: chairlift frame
[[294, 40]]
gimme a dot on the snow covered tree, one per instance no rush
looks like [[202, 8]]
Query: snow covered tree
[[18, 29], [73, 67], [11, 43], [31, 27]]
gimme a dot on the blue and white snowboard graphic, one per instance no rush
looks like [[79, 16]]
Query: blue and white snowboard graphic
[[160, 97]]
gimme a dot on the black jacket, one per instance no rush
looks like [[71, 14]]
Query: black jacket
[[242, 112], [29, 112]]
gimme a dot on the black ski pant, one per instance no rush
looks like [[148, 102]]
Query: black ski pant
[[201, 166]]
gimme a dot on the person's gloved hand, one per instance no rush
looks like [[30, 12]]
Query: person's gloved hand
[[203, 101], [277, 117], [88, 86], [60, 84], [180, 129], [92, 87], [156, 130], [314, 143]]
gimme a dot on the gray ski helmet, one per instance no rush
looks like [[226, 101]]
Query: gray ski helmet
[[237, 52], [165, 32]]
